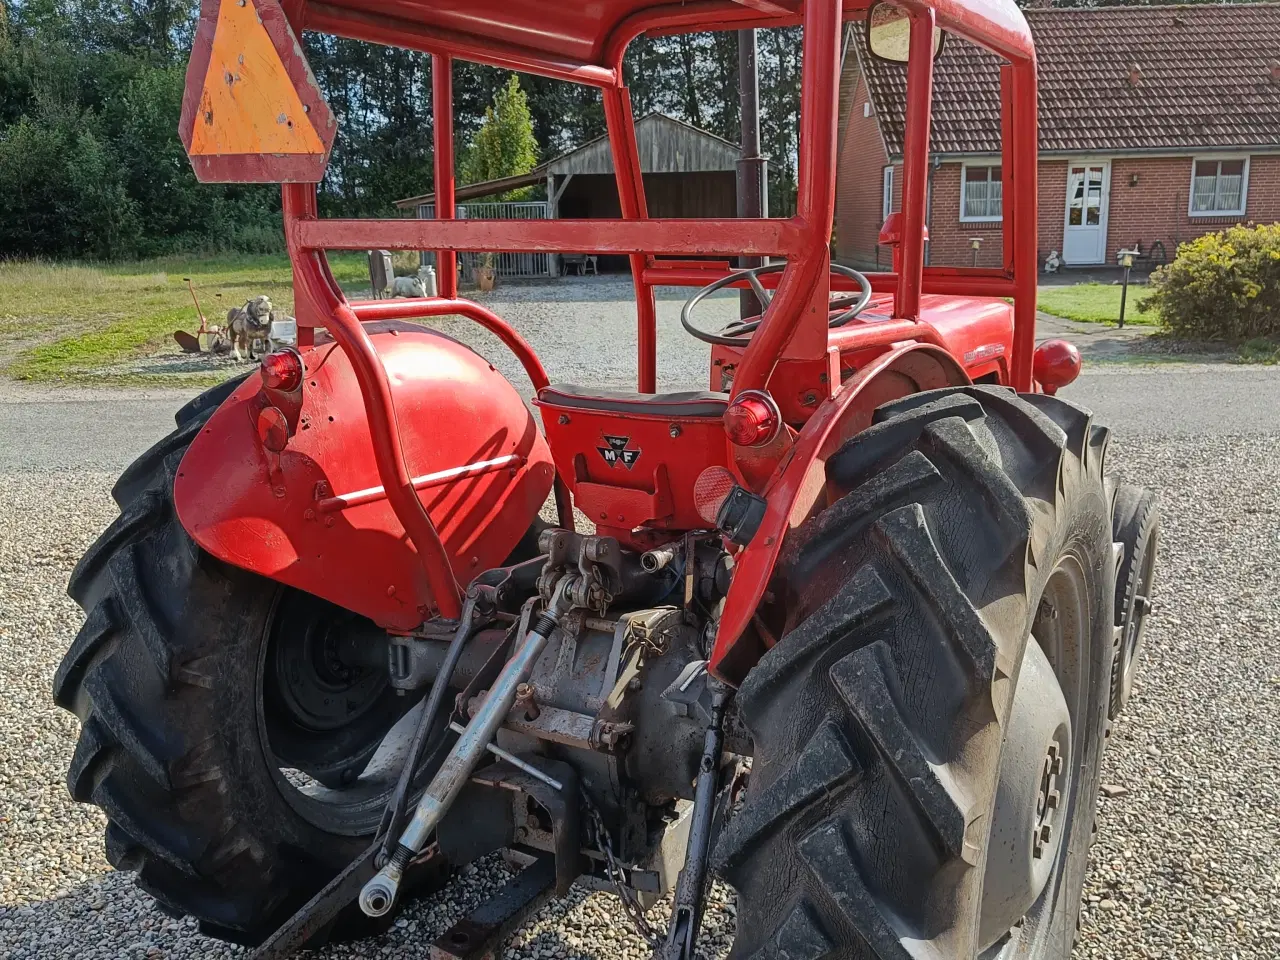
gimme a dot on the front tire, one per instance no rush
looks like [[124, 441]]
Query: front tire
[[966, 551], [1136, 527], [213, 769]]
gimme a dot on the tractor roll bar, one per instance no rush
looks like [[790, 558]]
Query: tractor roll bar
[[442, 135], [794, 324]]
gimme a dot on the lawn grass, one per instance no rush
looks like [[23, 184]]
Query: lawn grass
[[103, 313], [1096, 303], [1260, 350]]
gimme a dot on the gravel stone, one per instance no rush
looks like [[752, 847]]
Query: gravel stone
[[1185, 860]]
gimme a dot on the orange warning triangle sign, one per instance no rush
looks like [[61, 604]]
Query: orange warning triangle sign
[[248, 104]]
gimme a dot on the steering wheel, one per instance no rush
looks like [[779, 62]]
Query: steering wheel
[[736, 333]]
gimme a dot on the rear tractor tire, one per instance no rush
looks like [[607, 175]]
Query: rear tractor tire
[[225, 731], [928, 728]]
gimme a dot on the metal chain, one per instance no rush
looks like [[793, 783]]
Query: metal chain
[[630, 904]]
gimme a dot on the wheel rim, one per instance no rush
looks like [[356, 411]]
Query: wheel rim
[[1059, 636], [332, 730], [1139, 608]]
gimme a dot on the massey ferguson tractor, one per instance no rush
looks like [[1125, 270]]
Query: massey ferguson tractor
[[846, 630]]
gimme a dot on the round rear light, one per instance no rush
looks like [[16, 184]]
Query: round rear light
[[752, 419], [1055, 364], [282, 370]]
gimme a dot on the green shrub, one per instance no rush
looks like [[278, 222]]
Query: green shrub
[[1223, 286]]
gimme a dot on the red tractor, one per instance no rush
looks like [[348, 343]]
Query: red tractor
[[848, 632]]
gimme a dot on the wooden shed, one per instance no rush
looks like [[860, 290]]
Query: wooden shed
[[688, 172]]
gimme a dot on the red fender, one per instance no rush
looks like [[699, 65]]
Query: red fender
[[315, 517], [794, 493]]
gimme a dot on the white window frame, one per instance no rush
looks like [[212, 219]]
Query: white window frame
[[964, 176], [886, 192], [1244, 186]]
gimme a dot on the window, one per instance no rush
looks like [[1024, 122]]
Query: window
[[1218, 187], [981, 189], [886, 202]]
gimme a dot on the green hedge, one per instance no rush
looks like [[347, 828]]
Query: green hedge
[[1223, 286]]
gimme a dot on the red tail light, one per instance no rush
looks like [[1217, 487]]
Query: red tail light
[[752, 419], [282, 370]]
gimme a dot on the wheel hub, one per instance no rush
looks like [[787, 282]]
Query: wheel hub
[[1035, 774], [326, 711]]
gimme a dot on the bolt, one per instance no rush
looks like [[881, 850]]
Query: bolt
[[810, 399], [635, 685], [562, 419], [329, 521], [308, 514], [674, 430], [525, 702], [391, 590], [279, 491]]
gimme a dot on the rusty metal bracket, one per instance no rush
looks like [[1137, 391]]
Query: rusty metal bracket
[[561, 807], [477, 935]]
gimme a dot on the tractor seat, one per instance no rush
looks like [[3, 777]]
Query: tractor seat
[[687, 403], [631, 459]]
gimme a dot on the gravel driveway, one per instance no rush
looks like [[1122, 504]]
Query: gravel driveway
[[1187, 862]]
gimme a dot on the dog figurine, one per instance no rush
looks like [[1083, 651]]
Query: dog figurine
[[248, 326], [1052, 263]]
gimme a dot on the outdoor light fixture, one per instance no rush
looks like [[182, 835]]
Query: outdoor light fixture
[[1125, 259], [975, 244]]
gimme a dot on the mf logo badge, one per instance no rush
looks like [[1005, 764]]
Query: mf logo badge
[[617, 452]]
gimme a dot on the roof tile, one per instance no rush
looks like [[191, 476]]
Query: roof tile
[[1205, 81]]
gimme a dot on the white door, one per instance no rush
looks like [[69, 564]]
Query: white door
[[1084, 238]]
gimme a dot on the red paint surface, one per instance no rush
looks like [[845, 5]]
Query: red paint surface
[[453, 409], [425, 549]]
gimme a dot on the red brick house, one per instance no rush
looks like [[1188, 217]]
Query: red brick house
[[1156, 124]]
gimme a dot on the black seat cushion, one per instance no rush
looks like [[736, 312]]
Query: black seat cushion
[[688, 403]]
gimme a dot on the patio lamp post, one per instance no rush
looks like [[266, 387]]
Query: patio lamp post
[[975, 244], [1125, 257]]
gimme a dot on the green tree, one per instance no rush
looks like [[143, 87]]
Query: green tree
[[504, 146]]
